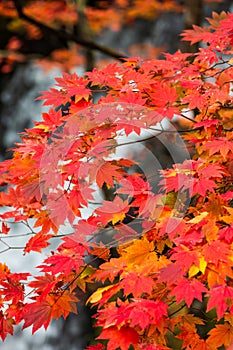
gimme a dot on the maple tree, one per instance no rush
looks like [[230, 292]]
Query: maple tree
[[170, 280]]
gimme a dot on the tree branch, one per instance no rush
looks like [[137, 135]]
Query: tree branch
[[65, 36]]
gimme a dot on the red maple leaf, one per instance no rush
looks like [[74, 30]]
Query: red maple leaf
[[113, 211], [226, 234], [155, 310], [202, 185], [216, 251], [61, 263], [5, 229], [59, 208], [43, 285], [12, 290], [163, 98], [74, 86], [197, 34], [119, 338], [218, 298], [37, 242], [185, 257], [171, 274], [220, 145], [188, 290], [6, 326], [37, 314], [137, 284], [40, 312], [196, 99], [54, 97]]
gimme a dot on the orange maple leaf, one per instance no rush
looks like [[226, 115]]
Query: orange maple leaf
[[222, 334], [107, 173]]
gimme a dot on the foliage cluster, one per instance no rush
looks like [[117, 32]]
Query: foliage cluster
[[169, 284]]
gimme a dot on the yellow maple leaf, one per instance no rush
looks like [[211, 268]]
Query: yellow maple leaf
[[139, 251]]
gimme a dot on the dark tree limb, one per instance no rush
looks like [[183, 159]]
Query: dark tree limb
[[65, 37]]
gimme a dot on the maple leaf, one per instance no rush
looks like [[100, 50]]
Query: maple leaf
[[216, 251], [135, 98], [196, 100], [107, 173], [210, 230], [110, 269], [201, 185], [226, 234], [119, 338], [6, 326], [5, 229], [108, 76], [43, 285], [101, 295], [184, 257], [206, 124], [153, 311], [53, 118], [220, 145], [43, 220], [13, 290], [138, 252], [83, 230], [188, 290], [140, 312], [74, 86], [164, 97], [31, 190], [137, 284], [37, 242], [63, 304], [54, 97], [61, 263], [59, 208], [78, 198], [37, 315], [105, 297], [196, 34], [171, 274], [100, 251], [113, 211], [130, 126], [40, 313], [218, 298], [53, 170], [222, 334], [192, 339], [179, 177], [211, 170]]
